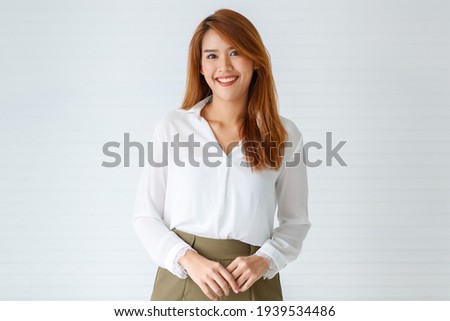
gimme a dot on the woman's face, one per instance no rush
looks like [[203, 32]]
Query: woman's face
[[226, 71]]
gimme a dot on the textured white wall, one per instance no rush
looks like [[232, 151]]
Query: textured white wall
[[77, 74]]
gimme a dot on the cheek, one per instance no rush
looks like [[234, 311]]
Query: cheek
[[206, 65], [207, 73], [245, 65]]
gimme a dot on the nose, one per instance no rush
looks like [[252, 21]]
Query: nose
[[225, 64]]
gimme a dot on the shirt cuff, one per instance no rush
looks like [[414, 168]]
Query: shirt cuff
[[273, 269], [177, 268]]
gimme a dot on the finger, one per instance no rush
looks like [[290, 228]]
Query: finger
[[247, 284], [207, 291], [233, 265], [223, 284], [230, 279], [215, 287], [241, 280], [237, 271]]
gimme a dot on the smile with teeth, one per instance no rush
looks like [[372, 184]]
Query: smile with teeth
[[226, 80]]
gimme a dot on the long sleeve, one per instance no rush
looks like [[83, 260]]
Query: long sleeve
[[291, 187], [163, 245]]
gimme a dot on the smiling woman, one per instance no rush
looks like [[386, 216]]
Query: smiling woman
[[210, 228], [225, 67], [226, 44]]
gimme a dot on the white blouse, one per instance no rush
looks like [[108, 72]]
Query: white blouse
[[215, 195]]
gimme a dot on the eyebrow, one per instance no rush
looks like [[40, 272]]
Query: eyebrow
[[214, 50]]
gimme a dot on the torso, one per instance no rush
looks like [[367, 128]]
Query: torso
[[227, 136]]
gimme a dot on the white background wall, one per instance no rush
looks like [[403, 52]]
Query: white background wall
[[77, 74]]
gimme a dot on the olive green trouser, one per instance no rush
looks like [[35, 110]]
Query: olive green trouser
[[169, 287]]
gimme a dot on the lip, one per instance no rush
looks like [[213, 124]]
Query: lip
[[223, 77]]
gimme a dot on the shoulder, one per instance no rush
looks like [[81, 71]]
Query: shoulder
[[168, 118], [293, 131], [172, 122]]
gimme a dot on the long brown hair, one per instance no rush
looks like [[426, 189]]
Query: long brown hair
[[263, 134]]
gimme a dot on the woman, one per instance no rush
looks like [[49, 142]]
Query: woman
[[209, 223]]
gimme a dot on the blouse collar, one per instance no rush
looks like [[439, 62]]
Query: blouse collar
[[197, 108]]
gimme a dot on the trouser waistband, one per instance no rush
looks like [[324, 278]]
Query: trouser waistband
[[217, 248]]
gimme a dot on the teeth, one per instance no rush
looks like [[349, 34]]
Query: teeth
[[225, 80]]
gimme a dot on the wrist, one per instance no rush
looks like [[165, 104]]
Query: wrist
[[186, 257], [273, 269], [264, 261]]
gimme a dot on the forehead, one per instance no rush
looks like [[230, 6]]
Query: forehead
[[212, 40]]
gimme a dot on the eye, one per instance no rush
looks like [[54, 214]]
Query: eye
[[212, 56]]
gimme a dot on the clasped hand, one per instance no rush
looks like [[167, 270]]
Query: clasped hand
[[215, 280]]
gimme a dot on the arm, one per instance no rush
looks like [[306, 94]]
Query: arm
[[163, 245], [292, 194], [286, 241]]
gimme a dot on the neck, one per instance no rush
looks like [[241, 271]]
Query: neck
[[226, 112]]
